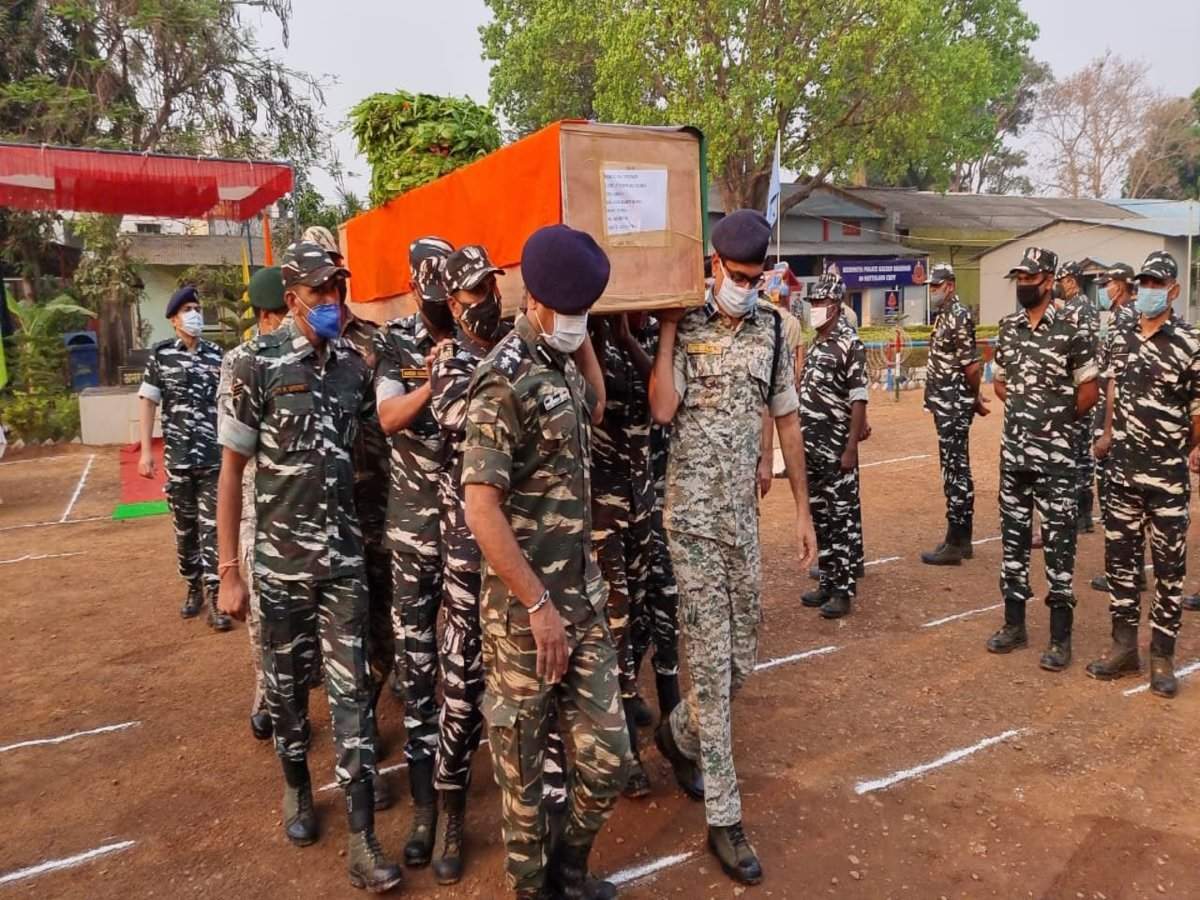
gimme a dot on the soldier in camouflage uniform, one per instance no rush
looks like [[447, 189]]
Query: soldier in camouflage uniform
[[266, 299], [1069, 283], [182, 375], [298, 401], [952, 378], [833, 408], [719, 369], [1045, 374], [403, 348], [526, 464], [1155, 372]]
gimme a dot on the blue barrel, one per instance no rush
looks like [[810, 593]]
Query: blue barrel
[[83, 359]]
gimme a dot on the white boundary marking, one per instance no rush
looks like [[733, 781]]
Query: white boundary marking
[[961, 615], [39, 742], [1181, 673], [882, 560], [28, 557], [59, 522], [866, 787], [53, 865], [986, 540], [884, 462], [795, 657], [634, 873], [21, 462], [78, 488]]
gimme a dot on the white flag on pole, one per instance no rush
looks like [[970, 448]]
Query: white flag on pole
[[773, 192]]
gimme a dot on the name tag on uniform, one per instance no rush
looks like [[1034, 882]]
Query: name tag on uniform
[[703, 347], [413, 373], [554, 401], [280, 389]]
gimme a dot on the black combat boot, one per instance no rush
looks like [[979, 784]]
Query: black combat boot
[[1121, 658], [667, 688], [733, 851], [419, 849], [860, 571], [568, 873], [217, 620], [836, 606], [947, 553], [1100, 583], [637, 783], [1083, 521], [260, 725], [299, 817], [687, 773], [447, 868], [964, 537], [1058, 655], [370, 869], [381, 792], [1192, 603], [1162, 665], [195, 600], [815, 599], [640, 712], [814, 573], [1012, 636]]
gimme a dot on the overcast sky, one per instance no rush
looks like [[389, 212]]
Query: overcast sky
[[385, 45]]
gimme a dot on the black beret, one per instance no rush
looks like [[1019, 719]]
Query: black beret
[[742, 236], [564, 269], [186, 294]]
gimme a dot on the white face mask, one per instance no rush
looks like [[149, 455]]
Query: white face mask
[[820, 315], [192, 322], [735, 301], [568, 333]]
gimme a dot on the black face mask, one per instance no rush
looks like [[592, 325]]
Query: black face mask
[[1029, 295], [437, 316], [483, 319]]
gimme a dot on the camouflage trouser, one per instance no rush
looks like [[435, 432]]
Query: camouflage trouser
[[294, 613], [622, 555], [416, 596], [719, 608], [381, 642], [832, 496], [253, 619], [856, 530], [460, 663], [192, 496], [1103, 487], [659, 619], [1132, 509], [954, 454], [517, 705], [1085, 463], [1054, 495], [554, 770]]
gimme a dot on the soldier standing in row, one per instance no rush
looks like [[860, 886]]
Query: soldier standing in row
[[1045, 376], [1155, 373], [182, 375], [526, 467], [265, 291], [403, 349], [718, 368], [298, 401], [1069, 283], [833, 411], [952, 379]]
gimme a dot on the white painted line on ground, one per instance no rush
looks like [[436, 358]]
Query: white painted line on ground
[[880, 562], [866, 787], [795, 657], [961, 615], [54, 865], [386, 770], [58, 522], [28, 557], [21, 462], [986, 540], [884, 462], [62, 739], [1179, 673], [78, 488], [634, 873]]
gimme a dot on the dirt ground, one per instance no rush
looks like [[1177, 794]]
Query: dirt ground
[[1092, 797]]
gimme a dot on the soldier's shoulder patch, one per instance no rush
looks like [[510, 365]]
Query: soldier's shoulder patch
[[507, 356]]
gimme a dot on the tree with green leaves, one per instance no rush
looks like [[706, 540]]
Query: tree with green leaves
[[1166, 163], [108, 281]]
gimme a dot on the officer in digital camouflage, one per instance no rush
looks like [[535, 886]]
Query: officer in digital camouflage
[[181, 376], [475, 302], [1155, 373], [1045, 375], [403, 348], [1069, 286], [833, 408], [526, 465], [952, 378], [718, 369], [266, 299], [298, 401]]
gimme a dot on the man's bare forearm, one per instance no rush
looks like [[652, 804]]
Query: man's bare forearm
[[974, 376], [664, 399], [148, 410], [229, 504], [498, 543], [397, 413], [791, 442]]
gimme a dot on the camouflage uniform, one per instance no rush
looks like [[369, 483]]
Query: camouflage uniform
[[296, 411], [951, 401], [1123, 318], [418, 455], [833, 379], [528, 435], [723, 376], [1088, 317], [184, 383]]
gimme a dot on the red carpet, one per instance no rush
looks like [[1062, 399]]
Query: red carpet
[[141, 496]]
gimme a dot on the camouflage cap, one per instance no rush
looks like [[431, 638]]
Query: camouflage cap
[[1034, 261], [1116, 272], [307, 263], [266, 289], [323, 238], [427, 258], [1159, 265], [941, 272], [1069, 269], [828, 287], [467, 267]]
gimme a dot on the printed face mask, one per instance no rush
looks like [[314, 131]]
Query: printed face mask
[[483, 319]]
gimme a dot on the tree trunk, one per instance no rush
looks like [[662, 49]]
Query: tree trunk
[[115, 337]]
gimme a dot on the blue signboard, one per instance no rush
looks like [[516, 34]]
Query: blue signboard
[[896, 271]]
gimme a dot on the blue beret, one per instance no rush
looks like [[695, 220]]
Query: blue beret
[[186, 294], [742, 236], [564, 269]]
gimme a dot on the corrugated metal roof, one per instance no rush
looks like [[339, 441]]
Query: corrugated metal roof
[[193, 250], [824, 202], [844, 248]]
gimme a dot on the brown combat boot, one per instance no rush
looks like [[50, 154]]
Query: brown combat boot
[[1121, 658]]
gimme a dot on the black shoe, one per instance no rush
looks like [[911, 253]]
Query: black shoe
[[447, 868], [1121, 658], [836, 606], [217, 620], [194, 602], [814, 599], [642, 716], [381, 792], [1100, 583], [962, 538], [733, 851], [1008, 639], [1084, 524], [260, 725], [370, 869], [943, 555], [667, 688], [1162, 676], [637, 784], [419, 849], [568, 874], [687, 773], [1058, 655], [299, 816], [860, 571], [1192, 603]]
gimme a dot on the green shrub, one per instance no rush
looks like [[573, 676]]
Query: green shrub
[[38, 416]]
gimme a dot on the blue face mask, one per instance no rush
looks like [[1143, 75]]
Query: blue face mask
[[1104, 301], [1151, 302], [325, 320]]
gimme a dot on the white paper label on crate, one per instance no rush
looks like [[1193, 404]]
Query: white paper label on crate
[[635, 200]]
